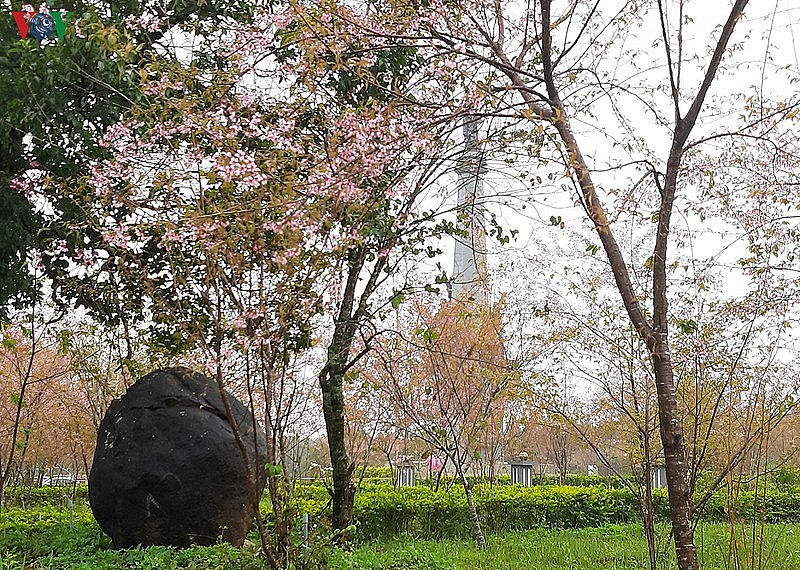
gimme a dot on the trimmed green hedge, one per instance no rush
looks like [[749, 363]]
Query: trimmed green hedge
[[42, 538], [422, 512], [34, 497], [778, 506], [382, 511], [515, 508], [609, 482]]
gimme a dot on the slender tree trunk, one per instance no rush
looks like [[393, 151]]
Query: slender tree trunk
[[5, 473], [331, 381], [2, 482], [277, 492], [680, 499], [670, 425], [647, 507], [475, 522], [649, 525]]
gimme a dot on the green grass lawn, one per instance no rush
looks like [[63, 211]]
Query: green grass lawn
[[42, 539], [607, 548]]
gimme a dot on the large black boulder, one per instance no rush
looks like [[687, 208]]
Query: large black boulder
[[168, 470]]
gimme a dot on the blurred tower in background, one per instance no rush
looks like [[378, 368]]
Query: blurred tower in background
[[470, 277]]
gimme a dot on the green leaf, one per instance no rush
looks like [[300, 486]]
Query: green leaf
[[397, 299], [430, 335]]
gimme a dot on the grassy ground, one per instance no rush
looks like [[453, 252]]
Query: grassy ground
[[42, 539], [606, 548]]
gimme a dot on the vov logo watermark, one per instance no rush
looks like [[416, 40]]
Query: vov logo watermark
[[43, 24]]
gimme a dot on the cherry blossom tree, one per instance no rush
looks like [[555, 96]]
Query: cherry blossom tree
[[63, 93], [242, 202]]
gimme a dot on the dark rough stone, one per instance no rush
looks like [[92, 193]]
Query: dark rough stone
[[167, 469]]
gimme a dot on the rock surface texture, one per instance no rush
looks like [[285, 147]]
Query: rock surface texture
[[168, 470]]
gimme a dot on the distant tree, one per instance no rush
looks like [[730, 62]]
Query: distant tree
[[34, 375], [449, 379]]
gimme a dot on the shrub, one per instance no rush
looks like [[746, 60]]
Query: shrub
[[609, 482], [382, 512], [419, 511], [785, 478], [518, 508], [378, 473], [423, 512], [42, 538], [35, 497]]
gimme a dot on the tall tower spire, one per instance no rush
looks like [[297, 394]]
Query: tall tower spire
[[470, 277]]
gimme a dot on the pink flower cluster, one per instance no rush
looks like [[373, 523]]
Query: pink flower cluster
[[143, 23], [119, 135], [365, 144], [180, 234], [105, 178], [240, 167], [118, 237], [160, 86], [21, 184]]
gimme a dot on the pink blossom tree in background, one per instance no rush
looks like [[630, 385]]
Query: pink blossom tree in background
[[448, 376]]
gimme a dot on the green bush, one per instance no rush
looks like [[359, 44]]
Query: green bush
[[419, 511], [423, 512], [378, 473], [610, 482], [785, 478], [778, 506], [781, 506], [42, 538], [382, 512], [35, 497], [519, 508]]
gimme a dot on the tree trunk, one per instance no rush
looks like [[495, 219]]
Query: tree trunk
[[475, 522], [276, 485], [331, 380], [670, 426], [680, 499], [333, 410]]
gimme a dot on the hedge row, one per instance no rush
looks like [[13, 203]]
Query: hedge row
[[776, 506], [42, 538], [380, 473], [422, 512], [35, 497], [382, 511]]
